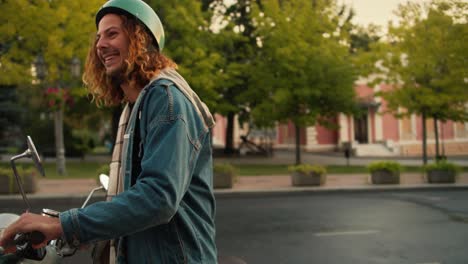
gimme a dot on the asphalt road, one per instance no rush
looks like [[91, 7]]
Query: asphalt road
[[419, 227], [372, 227]]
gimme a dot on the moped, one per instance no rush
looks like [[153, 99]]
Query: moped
[[55, 250]]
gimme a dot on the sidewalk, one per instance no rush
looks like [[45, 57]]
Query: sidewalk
[[273, 184]]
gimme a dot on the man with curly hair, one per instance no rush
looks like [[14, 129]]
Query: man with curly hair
[[160, 206]]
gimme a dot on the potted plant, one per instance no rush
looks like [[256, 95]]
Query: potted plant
[[224, 175], [5, 179], [308, 175], [441, 172], [385, 172]]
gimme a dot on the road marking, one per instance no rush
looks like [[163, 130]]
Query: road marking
[[347, 233], [435, 198]]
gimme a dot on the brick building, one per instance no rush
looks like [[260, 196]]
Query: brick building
[[375, 133]]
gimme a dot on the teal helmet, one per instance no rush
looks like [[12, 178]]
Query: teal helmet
[[139, 9]]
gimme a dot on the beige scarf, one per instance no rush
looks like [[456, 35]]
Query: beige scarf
[[106, 249], [115, 173]]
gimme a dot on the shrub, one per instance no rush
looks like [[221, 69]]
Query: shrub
[[22, 171], [307, 169], [224, 175], [225, 168], [103, 169], [391, 166], [27, 175], [443, 165], [6, 172]]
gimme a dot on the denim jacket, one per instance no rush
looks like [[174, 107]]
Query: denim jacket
[[167, 216]]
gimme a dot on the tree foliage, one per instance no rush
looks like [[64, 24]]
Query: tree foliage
[[188, 43], [303, 72], [425, 58], [428, 57], [235, 36], [57, 30]]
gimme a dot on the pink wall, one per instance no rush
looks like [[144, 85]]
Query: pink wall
[[364, 91], [418, 128], [350, 134], [281, 135], [390, 126], [219, 131], [326, 136], [447, 130], [287, 134]]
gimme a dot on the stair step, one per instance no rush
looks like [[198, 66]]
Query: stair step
[[372, 150]]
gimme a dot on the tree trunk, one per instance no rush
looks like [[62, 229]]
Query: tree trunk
[[59, 144], [442, 140], [229, 148], [424, 139], [298, 143], [436, 136]]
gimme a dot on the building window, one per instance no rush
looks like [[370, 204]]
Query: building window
[[461, 130], [430, 128], [406, 128]]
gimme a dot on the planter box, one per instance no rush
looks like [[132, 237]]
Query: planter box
[[29, 184], [311, 179], [385, 177], [223, 180], [4, 184], [440, 176]]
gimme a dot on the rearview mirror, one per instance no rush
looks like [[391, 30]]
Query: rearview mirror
[[35, 156], [31, 152], [104, 180]]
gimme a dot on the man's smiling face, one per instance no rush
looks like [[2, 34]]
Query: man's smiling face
[[112, 44]]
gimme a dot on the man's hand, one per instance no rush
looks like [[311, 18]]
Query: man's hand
[[50, 227]]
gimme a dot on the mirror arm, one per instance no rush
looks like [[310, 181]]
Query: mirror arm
[[25, 154], [18, 180], [91, 194]]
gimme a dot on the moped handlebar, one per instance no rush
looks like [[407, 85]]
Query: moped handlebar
[[24, 242], [34, 238], [24, 249]]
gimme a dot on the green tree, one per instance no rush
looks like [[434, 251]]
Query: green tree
[[9, 112], [188, 42], [56, 30], [425, 58], [235, 39], [305, 74]]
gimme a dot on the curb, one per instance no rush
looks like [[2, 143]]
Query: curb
[[228, 193]]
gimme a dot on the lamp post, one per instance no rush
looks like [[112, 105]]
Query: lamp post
[[40, 67], [75, 67]]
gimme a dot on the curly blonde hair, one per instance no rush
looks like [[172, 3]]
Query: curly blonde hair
[[144, 62]]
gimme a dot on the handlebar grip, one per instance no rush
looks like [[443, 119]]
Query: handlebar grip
[[36, 237], [24, 243], [21, 239]]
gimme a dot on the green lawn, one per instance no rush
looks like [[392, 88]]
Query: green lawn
[[277, 169], [92, 169], [74, 169]]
